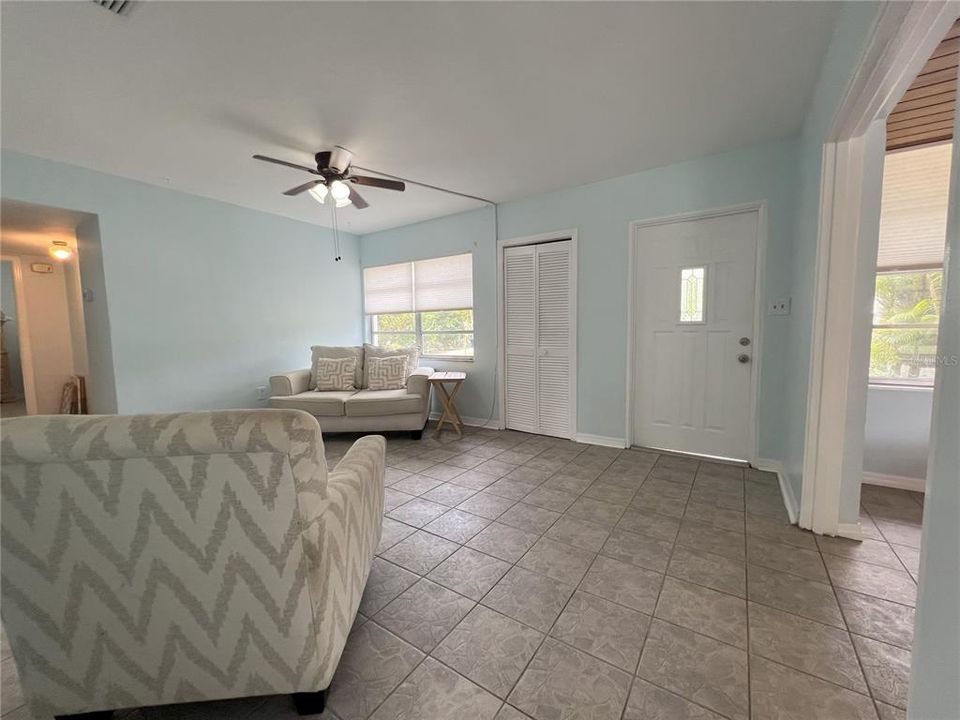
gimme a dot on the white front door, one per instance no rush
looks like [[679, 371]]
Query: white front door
[[539, 338], [694, 335]]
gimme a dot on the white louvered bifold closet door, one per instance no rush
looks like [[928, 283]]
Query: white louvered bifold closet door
[[538, 311], [520, 320], [554, 362]]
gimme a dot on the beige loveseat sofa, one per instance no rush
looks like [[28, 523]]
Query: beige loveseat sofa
[[362, 410], [155, 559]]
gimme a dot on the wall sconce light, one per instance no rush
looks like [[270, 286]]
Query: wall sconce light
[[59, 250]]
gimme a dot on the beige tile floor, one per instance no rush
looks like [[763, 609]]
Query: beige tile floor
[[521, 576]]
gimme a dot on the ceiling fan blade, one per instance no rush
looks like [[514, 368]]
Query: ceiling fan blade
[[264, 158], [357, 200], [303, 188], [378, 182]]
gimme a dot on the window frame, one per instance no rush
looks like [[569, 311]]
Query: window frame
[[371, 333], [919, 383], [417, 333]]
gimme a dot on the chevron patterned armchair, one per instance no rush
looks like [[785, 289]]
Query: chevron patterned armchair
[[156, 559]]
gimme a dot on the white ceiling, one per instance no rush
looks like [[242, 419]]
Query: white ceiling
[[501, 100]]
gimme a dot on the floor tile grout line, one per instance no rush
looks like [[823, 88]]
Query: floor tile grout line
[[878, 640], [746, 579], [646, 634], [890, 544], [791, 668], [902, 569], [856, 653]]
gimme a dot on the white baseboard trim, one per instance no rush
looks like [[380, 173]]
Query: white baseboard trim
[[601, 440], [851, 531], [492, 423], [895, 481], [786, 491]]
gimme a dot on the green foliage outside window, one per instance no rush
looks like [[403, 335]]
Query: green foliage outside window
[[446, 332], [905, 318]]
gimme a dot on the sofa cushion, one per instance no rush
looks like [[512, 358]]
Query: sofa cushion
[[411, 353], [319, 404], [370, 403], [338, 352], [334, 373]]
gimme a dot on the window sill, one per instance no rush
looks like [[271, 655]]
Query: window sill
[[899, 386], [447, 358]]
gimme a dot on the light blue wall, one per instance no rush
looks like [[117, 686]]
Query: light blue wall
[[897, 436], [853, 28], [206, 299], [8, 302], [601, 213]]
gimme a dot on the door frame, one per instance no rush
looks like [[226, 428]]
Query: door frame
[[23, 335], [632, 382], [502, 244], [904, 36]]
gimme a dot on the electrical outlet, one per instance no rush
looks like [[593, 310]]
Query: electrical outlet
[[780, 306], [262, 392]]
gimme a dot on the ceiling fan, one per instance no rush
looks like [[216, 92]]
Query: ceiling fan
[[335, 178]]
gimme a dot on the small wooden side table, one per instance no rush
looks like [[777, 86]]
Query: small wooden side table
[[440, 380]]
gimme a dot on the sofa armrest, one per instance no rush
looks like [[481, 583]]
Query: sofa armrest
[[290, 383], [417, 382], [340, 542]]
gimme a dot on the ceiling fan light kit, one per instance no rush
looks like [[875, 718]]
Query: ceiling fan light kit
[[319, 193], [340, 192]]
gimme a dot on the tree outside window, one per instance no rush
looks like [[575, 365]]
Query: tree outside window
[[906, 315], [442, 333]]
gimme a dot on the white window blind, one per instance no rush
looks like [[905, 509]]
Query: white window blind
[[388, 289], [443, 283], [913, 211], [423, 286]]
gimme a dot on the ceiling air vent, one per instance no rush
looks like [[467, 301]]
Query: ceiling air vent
[[117, 7]]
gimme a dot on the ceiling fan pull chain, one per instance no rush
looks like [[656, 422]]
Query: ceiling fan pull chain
[[336, 233]]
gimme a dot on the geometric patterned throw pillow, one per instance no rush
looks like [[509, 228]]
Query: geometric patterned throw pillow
[[334, 373], [412, 354], [386, 373]]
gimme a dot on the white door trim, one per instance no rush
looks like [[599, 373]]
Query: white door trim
[[758, 207], [23, 335], [537, 239], [903, 38]]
